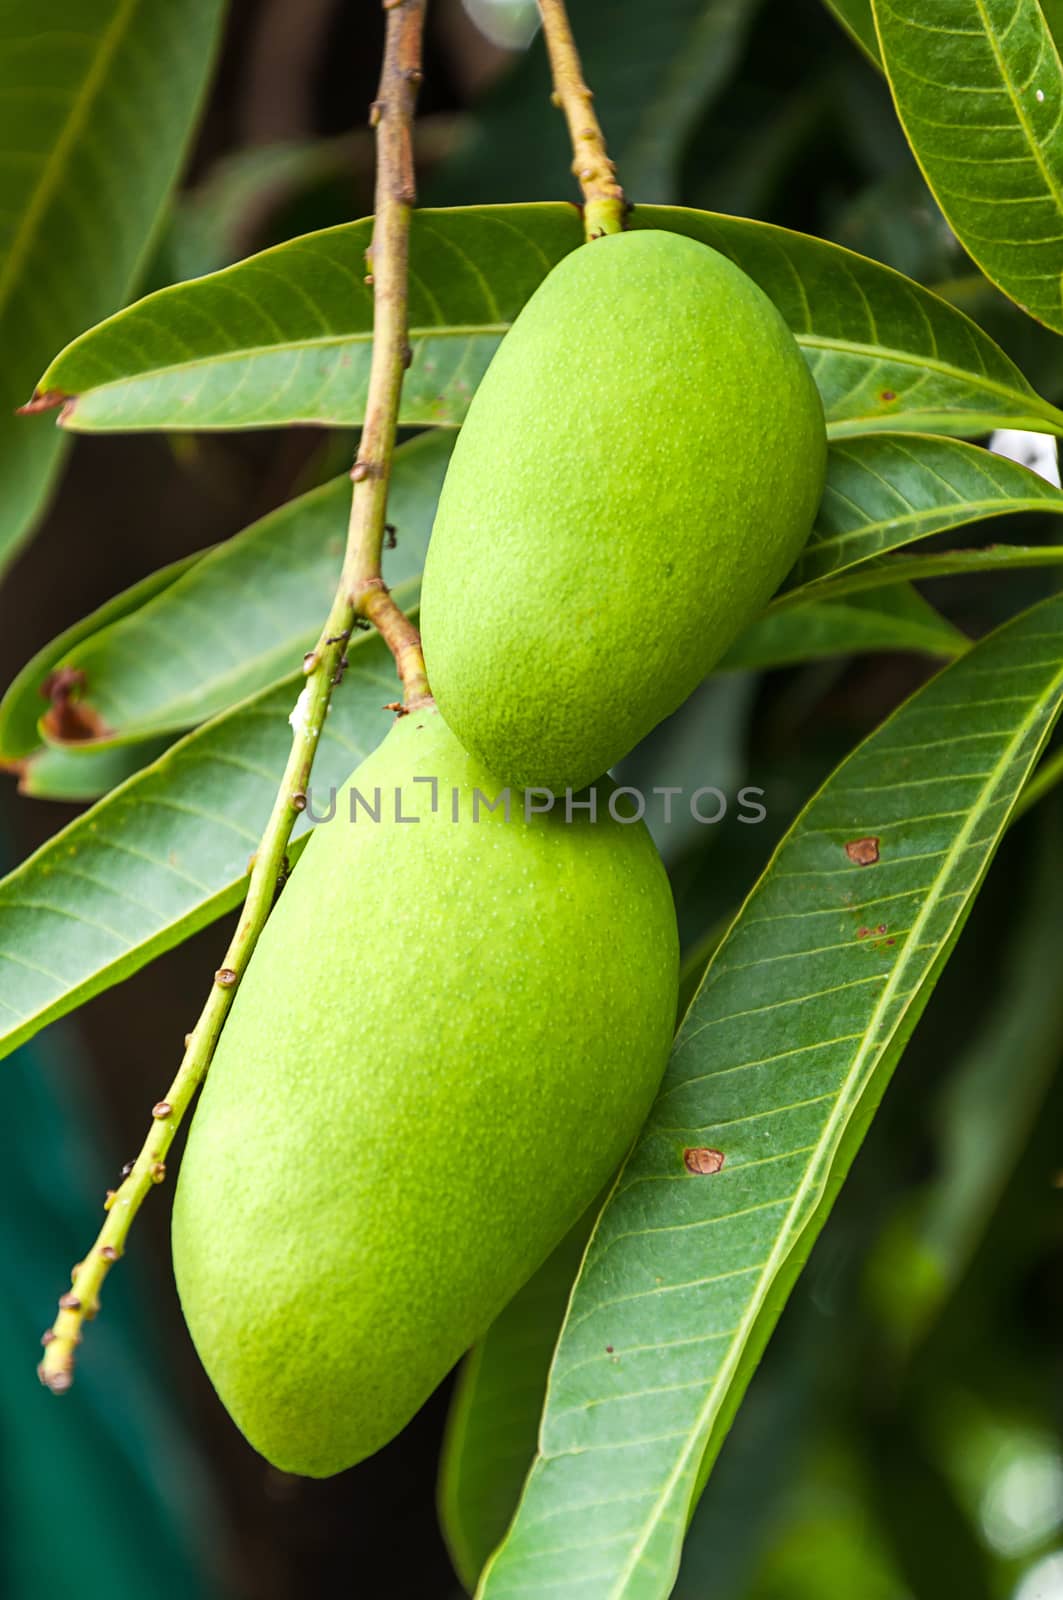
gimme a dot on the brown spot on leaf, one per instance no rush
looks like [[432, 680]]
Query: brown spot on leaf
[[862, 933], [703, 1161], [886, 396], [68, 719], [862, 852], [881, 928]]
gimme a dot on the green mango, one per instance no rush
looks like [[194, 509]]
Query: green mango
[[448, 1037], [638, 470]]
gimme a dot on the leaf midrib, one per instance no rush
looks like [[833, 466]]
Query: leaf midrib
[[836, 1125], [1051, 184], [55, 166], [451, 330], [910, 358]]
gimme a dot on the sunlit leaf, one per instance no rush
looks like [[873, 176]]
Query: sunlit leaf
[[778, 1067]]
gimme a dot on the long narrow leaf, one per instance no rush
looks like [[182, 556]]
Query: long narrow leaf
[[22, 704], [494, 1415], [97, 99], [978, 86], [855, 17], [884, 491], [285, 336], [167, 852], [179, 659], [778, 1067], [893, 617], [886, 571]]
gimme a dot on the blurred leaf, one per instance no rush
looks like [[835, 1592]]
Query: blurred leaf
[[984, 1115], [831, 1545], [979, 92], [855, 17], [890, 618], [78, 774], [285, 336], [704, 741], [935, 1543], [167, 852], [110, 1474], [22, 704], [97, 99], [896, 220], [243, 616], [654, 70], [778, 1066], [214, 223], [885, 492], [493, 1422]]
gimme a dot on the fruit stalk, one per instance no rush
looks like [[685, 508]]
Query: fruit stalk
[[603, 198], [360, 592]]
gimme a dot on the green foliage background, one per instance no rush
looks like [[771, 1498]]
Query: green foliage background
[[901, 1437]]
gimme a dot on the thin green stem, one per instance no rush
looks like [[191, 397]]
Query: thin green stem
[[603, 198], [361, 592]]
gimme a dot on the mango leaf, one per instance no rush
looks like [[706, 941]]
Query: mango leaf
[[166, 853], [97, 98], [885, 491], [655, 70], [285, 336], [885, 571], [22, 704], [75, 773], [141, 679], [855, 17], [493, 1421], [775, 1075], [892, 618], [180, 657], [978, 86]]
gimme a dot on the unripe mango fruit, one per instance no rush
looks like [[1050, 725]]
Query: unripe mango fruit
[[448, 1036], [637, 472]]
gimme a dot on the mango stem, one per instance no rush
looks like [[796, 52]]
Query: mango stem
[[360, 592], [604, 207]]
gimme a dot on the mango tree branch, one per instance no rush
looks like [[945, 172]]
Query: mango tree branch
[[361, 592], [603, 198]]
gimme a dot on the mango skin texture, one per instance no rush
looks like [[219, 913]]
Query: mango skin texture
[[637, 472], [447, 1039]]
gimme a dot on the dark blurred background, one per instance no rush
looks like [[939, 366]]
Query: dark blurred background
[[902, 1440]]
